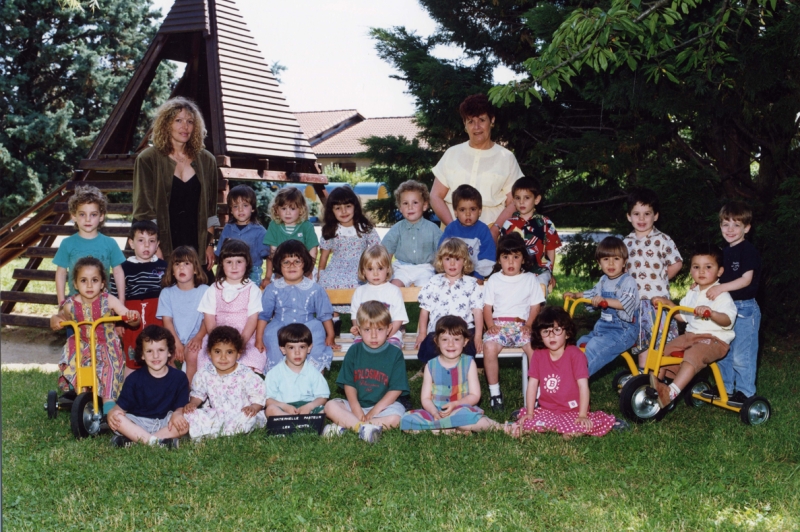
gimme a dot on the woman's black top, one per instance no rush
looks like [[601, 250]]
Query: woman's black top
[[183, 202]]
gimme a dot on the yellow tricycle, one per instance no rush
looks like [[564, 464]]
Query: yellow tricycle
[[83, 402], [638, 401]]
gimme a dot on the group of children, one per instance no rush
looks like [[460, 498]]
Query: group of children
[[244, 342]]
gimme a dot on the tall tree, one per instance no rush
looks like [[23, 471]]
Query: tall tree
[[700, 105], [61, 72]]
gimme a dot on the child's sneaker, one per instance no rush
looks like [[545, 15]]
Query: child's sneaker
[[496, 402], [370, 433], [169, 443], [620, 425], [118, 440], [737, 399], [333, 430], [664, 396], [711, 393]]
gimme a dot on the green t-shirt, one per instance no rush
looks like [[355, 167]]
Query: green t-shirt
[[75, 247], [304, 232], [373, 372]]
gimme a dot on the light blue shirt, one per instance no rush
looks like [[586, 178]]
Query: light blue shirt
[[284, 385], [252, 235], [181, 306], [75, 247], [413, 243]]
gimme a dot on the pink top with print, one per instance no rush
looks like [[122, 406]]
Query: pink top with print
[[648, 259], [558, 379]]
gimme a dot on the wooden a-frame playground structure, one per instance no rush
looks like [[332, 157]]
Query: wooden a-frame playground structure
[[251, 131]]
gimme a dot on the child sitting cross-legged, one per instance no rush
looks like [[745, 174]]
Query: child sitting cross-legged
[[468, 204], [451, 390], [706, 339], [150, 407], [295, 387], [235, 394], [558, 371], [373, 376], [616, 330]]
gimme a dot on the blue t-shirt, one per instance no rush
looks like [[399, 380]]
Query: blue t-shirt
[[478, 238], [252, 235], [181, 306], [75, 247], [146, 396]]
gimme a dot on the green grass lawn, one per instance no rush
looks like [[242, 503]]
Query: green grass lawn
[[699, 469]]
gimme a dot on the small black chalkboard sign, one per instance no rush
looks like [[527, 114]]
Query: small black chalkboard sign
[[284, 425]]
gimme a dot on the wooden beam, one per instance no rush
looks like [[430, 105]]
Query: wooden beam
[[34, 275], [25, 320], [105, 186], [272, 175], [28, 297], [107, 165]]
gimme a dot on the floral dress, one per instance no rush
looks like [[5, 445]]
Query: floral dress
[[110, 360], [342, 269], [226, 394]]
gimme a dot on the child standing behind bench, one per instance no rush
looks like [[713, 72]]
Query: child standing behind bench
[[536, 230], [706, 339], [143, 275], [289, 215], [295, 387], [653, 260], [373, 376], [412, 241], [616, 329], [243, 224], [87, 207], [740, 279], [467, 204]]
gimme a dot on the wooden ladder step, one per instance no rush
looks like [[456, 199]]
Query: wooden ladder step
[[113, 208], [34, 275], [28, 297], [25, 320], [49, 253], [66, 230], [105, 186]]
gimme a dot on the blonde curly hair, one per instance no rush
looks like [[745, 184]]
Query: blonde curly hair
[[162, 126], [288, 196], [453, 247]]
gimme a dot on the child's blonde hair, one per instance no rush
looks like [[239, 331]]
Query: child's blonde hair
[[376, 254], [412, 186], [373, 313], [86, 195], [453, 247], [288, 196]]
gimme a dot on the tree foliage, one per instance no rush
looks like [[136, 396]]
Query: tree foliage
[[62, 70], [698, 100]]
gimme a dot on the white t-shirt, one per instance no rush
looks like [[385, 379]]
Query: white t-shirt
[[723, 303], [386, 293], [512, 297], [208, 305], [491, 171]]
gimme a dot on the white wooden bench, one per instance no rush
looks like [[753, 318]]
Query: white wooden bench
[[343, 296]]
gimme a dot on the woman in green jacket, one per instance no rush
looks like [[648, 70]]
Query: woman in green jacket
[[175, 181]]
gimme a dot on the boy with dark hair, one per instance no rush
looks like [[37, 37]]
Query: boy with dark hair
[[144, 272], [150, 407], [538, 232], [295, 387], [87, 207], [707, 339], [653, 259], [740, 279], [373, 376], [467, 205]]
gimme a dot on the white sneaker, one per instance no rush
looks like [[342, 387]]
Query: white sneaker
[[333, 430], [370, 433]]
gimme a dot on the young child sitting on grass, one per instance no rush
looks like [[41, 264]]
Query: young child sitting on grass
[[150, 407], [616, 330], [706, 339], [468, 204], [373, 376], [451, 390], [413, 240], [559, 370], [295, 387]]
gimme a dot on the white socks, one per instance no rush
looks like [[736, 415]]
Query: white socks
[[494, 389], [674, 391]]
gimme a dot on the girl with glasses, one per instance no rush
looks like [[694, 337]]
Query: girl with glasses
[[560, 370]]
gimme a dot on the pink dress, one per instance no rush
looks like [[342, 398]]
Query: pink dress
[[559, 394], [234, 314]]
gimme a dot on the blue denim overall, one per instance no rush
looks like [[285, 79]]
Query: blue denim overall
[[611, 336]]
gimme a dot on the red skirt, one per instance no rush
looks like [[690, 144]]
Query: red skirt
[[147, 308]]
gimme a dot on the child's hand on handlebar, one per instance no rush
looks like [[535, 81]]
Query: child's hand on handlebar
[[703, 312], [597, 301]]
